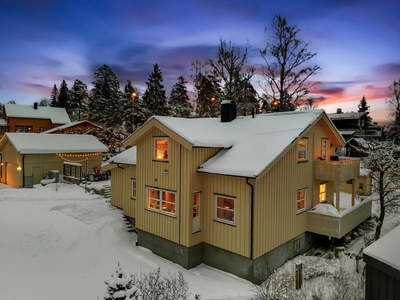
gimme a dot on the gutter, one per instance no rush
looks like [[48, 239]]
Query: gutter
[[251, 217]]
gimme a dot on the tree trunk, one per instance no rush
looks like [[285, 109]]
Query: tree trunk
[[382, 205]]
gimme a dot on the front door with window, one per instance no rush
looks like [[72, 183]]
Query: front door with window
[[196, 212]]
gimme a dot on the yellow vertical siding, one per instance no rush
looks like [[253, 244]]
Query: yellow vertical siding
[[276, 219], [128, 204], [118, 190], [153, 173], [11, 161]]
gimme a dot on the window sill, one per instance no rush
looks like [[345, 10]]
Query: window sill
[[133, 198], [302, 161], [157, 160], [197, 231], [161, 212], [301, 211], [224, 222]]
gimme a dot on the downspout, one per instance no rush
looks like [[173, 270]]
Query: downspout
[[180, 190], [251, 218], [120, 167], [23, 170]]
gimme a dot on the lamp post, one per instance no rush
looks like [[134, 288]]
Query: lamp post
[[134, 95]]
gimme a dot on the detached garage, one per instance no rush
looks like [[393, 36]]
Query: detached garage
[[26, 157]]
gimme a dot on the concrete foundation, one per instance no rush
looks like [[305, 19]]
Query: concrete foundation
[[225, 260]]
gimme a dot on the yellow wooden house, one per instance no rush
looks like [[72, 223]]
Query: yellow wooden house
[[25, 158], [235, 193]]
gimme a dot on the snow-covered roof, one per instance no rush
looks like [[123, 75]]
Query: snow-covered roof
[[346, 132], [33, 143], [352, 115], [386, 249], [57, 115], [67, 126], [128, 157], [3, 122], [365, 172], [250, 144]]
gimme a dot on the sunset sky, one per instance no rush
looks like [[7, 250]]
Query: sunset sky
[[43, 42]]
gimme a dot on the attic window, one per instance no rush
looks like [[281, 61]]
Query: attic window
[[161, 149], [302, 150]]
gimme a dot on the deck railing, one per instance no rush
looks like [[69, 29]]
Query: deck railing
[[338, 226], [342, 170]]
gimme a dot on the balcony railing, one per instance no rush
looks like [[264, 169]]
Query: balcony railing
[[342, 170], [338, 226]]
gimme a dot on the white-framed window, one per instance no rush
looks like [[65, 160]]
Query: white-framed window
[[19, 128], [324, 145], [161, 200], [161, 148], [196, 212], [301, 200], [302, 150], [322, 192], [72, 170], [133, 189], [225, 209]]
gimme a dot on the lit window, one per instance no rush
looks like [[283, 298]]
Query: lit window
[[225, 209], [161, 148], [24, 129], [322, 192], [196, 212], [161, 201], [323, 148], [301, 200], [134, 189], [302, 150]]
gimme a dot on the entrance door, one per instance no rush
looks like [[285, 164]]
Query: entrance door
[[37, 174], [196, 212]]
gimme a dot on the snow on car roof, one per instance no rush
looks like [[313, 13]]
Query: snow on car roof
[[57, 115], [386, 249], [250, 144], [127, 157], [33, 143]]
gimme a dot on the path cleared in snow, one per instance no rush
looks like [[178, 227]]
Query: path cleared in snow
[[58, 242]]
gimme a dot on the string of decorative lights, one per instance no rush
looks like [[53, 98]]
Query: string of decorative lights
[[77, 155]]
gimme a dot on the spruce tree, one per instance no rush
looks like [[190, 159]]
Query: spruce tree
[[78, 100], [106, 98], [363, 107], [208, 89], [247, 100], [154, 98], [63, 97], [54, 97], [178, 103]]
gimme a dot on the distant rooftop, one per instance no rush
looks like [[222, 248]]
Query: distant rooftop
[[345, 116], [57, 115], [67, 126]]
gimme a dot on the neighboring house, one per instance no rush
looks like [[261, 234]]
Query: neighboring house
[[25, 158], [363, 184], [31, 118], [353, 124], [234, 193], [383, 267], [74, 127]]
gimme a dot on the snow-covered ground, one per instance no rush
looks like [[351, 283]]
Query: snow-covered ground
[[58, 242]]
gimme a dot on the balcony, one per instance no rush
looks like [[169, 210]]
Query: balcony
[[339, 225], [342, 170]]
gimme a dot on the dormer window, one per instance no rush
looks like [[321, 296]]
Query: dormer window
[[161, 149]]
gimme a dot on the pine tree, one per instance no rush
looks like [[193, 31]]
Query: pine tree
[[127, 104], [78, 100], [63, 97], [106, 99], [120, 287], [394, 103], [363, 107], [54, 97], [154, 98], [44, 102], [208, 89], [178, 103], [247, 100]]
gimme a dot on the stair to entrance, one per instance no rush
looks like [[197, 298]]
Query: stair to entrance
[[107, 191]]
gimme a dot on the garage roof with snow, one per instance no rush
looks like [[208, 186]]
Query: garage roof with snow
[[33, 143]]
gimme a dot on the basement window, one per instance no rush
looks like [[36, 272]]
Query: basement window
[[161, 149], [225, 209], [161, 201]]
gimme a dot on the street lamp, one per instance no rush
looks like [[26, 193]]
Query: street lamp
[[134, 95], [213, 99]]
